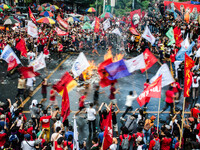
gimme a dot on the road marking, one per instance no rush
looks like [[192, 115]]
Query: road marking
[[39, 86], [148, 112]]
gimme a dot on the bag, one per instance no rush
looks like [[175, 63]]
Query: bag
[[68, 145], [125, 143], [157, 145], [147, 126]]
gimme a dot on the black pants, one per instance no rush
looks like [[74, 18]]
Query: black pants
[[93, 123], [171, 105], [126, 111]]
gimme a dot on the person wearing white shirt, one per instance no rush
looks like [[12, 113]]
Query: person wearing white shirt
[[31, 56], [114, 145], [29, 85], [91, 117], [195, 88], [27, 144], [128, 104]]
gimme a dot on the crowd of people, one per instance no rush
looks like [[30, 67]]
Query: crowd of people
[[136, 130]]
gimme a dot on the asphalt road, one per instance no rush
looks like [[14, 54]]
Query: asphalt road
[[135, 82]]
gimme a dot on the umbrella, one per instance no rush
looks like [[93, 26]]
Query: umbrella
[[10, 21], [52, 8], [106, 15], [72, 19], [84, 18], [4, 6], [40, 8], [46, 4], [75, 15], [47, 14], [1, 9], [87, 25], [91, 9], [46, 20]]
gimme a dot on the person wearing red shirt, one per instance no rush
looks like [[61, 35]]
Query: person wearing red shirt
[[173, 59], [59, 144], [195, 111], [2, 137], [81, 103], [169, 100], [166, 141], [45, 123], [123, 136], [176, 89], [113, 91], [52, 99], [147, 99], [152, 143]]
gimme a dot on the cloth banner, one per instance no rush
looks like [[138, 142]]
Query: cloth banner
[[148, 36], [32, 29], [39, 62], [106, 24]]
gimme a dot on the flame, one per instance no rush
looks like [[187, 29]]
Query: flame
[[116, 58], [90, 70]]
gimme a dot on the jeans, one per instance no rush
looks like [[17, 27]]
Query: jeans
[[146, 136], [127, 109], [93, 123]]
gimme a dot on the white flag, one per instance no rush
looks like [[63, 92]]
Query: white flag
[[176, 64], [8, 55], [32, 29], [185, 43], [148, 36], [39, 62], [80, 65], [135, 63], [106, 24], [116, 31], [75, 142], [198, 53], [93, 24], [166, 75]]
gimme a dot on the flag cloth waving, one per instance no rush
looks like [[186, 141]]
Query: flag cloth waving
[[133, 31], [189, 64], [108, 133], [10, 57], [135, 17], [65, 109], [28, 72], [170, 35], [75, 141], [148, 36], [185, 44], [31, 16], [153, 90], [21, 46], [178, 36], [97, 25], [39, 62], [135, 63], [149, 59], [80, 65], [166, 75], [106, 24]]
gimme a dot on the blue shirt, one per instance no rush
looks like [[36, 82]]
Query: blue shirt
[[101, 136], [68, 133]]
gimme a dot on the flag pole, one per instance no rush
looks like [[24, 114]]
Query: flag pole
[[158, 115], [146, 74], [182, 123]]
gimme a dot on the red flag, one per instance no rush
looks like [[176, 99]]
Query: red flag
[[21, 46], [60, 32], [135, 17], [104, 82], [149, 59], [12, 64], [28, 72], [62, 22], [153, 90], [178, 36], [198, 42], [97, 25], [189, 64], [108, 133], [133, 31], [65, 111], [31, 16]]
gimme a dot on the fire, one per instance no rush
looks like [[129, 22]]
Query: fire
[[116, 58], [87, 74]]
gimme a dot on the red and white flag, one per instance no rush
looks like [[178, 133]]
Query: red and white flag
[[149, 59], [133, 31], [108, 133], [60, 32], [153, 90], [28, 72], [135, 17], [148, 36], [31, 16]]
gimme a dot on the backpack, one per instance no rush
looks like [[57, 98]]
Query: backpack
[[125, 143], [157, 145], [147, 126], [68, 145]]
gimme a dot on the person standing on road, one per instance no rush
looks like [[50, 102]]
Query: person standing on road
[[81, 103], [21, 86], [113, 91], [147, 99], [30, 83], [91, 117], [128, 104], [52, 98]]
